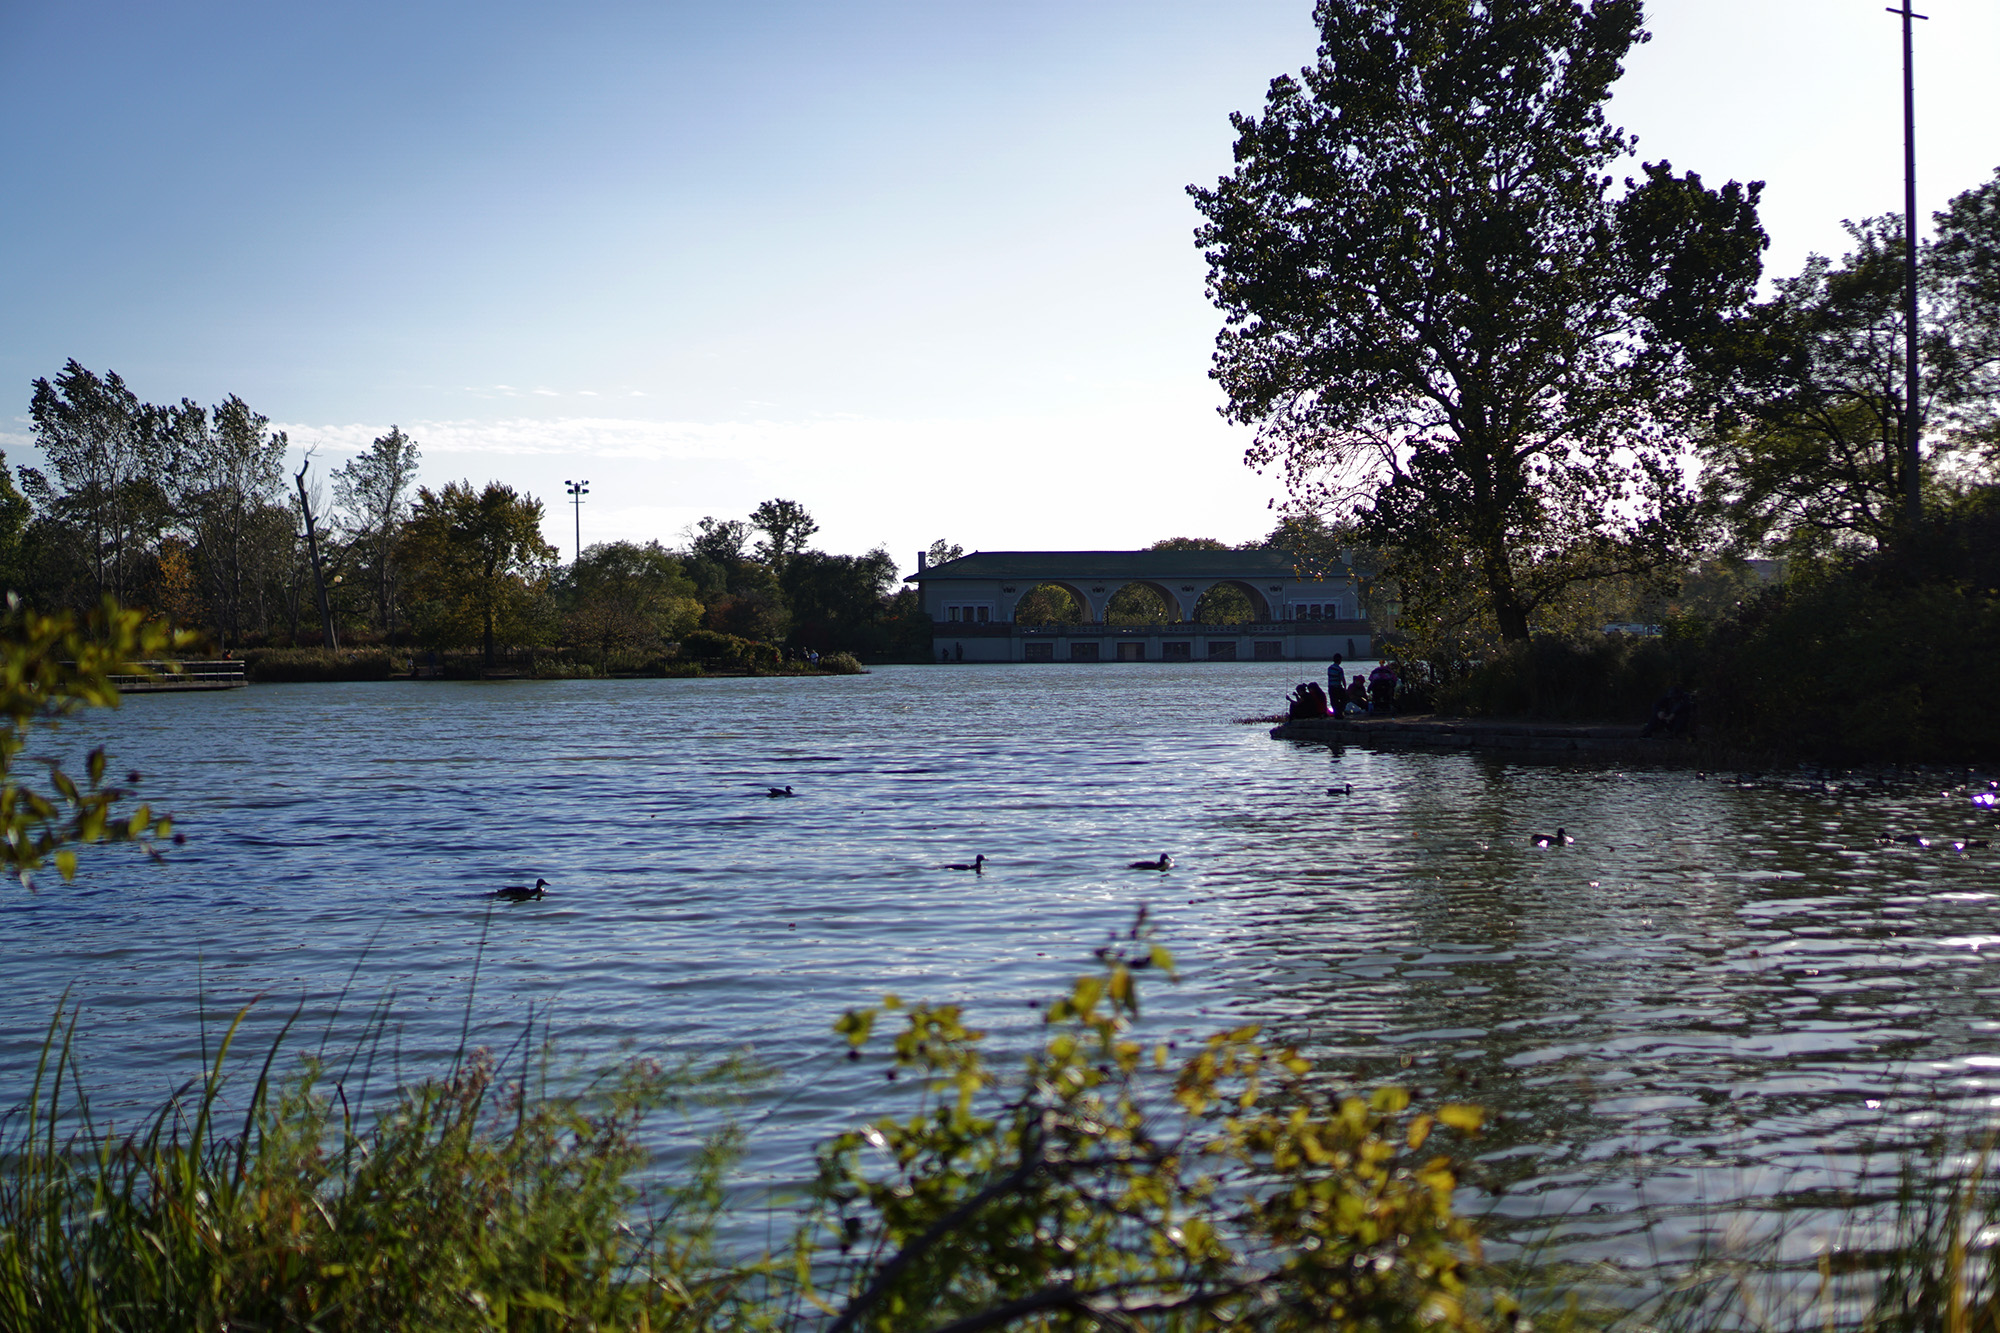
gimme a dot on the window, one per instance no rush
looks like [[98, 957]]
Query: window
[[1038, 652], [1177, 652], [1222, 652], [1083, 652], [1269, 650]]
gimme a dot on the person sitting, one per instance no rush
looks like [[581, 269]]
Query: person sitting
[[1382, 687], [1672, 716], [1357, 694], [1309, 700]]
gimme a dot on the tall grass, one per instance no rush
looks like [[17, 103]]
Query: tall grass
[[498, 1195], [480, 1199]]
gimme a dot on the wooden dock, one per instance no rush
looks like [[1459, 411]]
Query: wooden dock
[[224, 675]]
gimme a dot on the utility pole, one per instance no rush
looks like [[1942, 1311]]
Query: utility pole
[[579, 489], [1913, 500]]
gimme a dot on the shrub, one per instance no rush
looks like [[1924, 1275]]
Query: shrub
[[1604, 678], [707, 645], [270, 665], [840, 664]]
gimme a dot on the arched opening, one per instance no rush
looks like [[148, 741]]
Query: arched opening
[[1139, 603], [1049, 604], [1230, 604]]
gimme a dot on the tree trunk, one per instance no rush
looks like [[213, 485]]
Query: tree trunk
[[319, 577], [1507, 609]]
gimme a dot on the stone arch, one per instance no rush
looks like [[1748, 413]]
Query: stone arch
[[1169, 604], [1260, 606], [1075, 591]]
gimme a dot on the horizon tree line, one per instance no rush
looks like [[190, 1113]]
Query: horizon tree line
[[188, 512]]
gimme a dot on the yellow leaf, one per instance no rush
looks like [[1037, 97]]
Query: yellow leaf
[[1465, 1119], [1420, 1129]]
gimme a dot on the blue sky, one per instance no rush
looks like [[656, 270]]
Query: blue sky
[[924, 267]]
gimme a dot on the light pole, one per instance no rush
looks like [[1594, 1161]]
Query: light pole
[[577, 490], [1912, 492]]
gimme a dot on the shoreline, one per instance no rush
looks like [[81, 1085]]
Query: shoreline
[[1516, 736]]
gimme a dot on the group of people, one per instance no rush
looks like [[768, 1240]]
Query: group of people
[[1372, 693]]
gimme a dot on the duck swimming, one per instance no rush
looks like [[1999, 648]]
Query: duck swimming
[[1164, 863], [1344, 789], [779, 791], [973, 865], [1560, 838], [520, 893]]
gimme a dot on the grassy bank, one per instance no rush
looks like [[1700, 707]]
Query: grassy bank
[[280, 665]]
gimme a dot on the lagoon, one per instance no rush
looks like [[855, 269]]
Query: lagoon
[[1724, 997]]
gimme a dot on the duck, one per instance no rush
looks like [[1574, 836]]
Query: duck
[[520, 893], [1560, 838], [1970, 844], [1165, 862], [1345, 789], [973, 865], [778, 791], [1907, 839]]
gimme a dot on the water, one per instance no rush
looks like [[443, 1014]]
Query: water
[[1718, 999]]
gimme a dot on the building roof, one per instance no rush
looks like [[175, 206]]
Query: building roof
[[1080, 565]]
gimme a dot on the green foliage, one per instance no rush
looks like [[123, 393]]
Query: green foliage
[[1048, 604], [1807, 456], [1440, 324], [728, 652], [372, 490], [787, 527], [1224, 604], [270, 665], [50, 666], [1138, 604], [841, 603], [840, 664], [475, 562], [1598, 677], [15, 511], [1110, 1185], [469, 1201], [623, 602]]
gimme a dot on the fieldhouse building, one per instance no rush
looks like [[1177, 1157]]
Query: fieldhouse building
[[971, 602]]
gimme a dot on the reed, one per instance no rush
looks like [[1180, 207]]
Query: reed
[[484, 1198]]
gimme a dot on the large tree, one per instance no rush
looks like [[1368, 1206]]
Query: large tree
[[1441, 321], [105, 501], [475, 561], [1808, 456], [621, 598], [228, 477], [373, 492], [786, 527]]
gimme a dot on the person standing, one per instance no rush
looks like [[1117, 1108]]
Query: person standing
[[1336, 685]]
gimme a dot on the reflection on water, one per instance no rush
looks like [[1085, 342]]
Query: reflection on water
[[1719, 994]]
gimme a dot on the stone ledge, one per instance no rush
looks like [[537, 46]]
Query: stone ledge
[[1520, 736]]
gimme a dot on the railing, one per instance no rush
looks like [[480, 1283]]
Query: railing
[[973, 629], [223, 675]]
